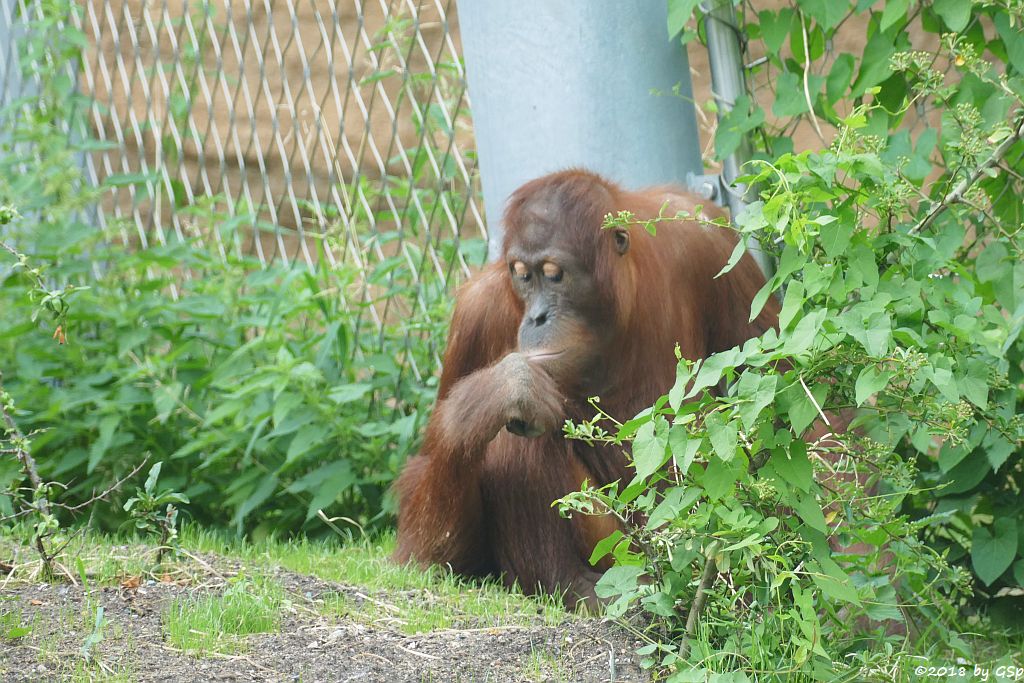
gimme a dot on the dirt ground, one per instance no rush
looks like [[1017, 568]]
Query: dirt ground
[[311, 646]]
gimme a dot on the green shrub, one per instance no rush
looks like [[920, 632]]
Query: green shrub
[[246, 382], [267, 392], [901, 276]]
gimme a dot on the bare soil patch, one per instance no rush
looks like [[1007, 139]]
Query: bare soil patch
[[312, 644]]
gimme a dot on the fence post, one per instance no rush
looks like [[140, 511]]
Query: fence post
[[591, 83], [10, 70], [728, 84]]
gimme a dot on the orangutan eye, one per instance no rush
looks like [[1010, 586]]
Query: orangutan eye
[[552, 272], [621, 241], [520, 271]]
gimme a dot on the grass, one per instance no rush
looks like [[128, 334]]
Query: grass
[[431, 600], [88, 627], [83, 672], [12, 623], [544, 667], [217, 623], [362, 585], [453, 601], [449, 601]]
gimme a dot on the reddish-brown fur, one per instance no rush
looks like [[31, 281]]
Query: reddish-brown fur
[[478, 498]]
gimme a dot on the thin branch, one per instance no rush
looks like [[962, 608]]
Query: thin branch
[[28, 463], [956, 195], [814, 401], [66, 543], [807, 85], [100, 496], [706, 581], [36, 277]]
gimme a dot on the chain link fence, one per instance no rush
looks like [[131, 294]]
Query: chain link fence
[[318, 133]]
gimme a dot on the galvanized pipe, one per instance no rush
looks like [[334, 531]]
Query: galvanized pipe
[[728, 84]]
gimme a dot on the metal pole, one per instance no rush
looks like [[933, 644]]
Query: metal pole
[[727, 85], [590, 83], [12, 29]]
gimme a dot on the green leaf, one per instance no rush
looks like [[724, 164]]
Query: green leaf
[[793, 466], [792, 303], [974, 385], [993, 551], [756, 392], [723, 435], [803, 335], [833, 582], [676, 503], [283, 406], [875, 66], [295, 420], [750, 540], [870, 381], [305, 440], [1018, 572], [997, 449], [679, 12], [349, 393], [172, 497], [895, 10], [955, 13], [1013, 39], [339, 479], [885, 606], [967, 474], [660, 603], [735, 124], [605, 546], [737, 253], [108, 427], [684, 373], [802, 411], [17, 632], [761, 298], [263, 491], [200, 306], [950, 455], [828, 13], [943, 380], [789, 96], [311, 480], [154, 475], [683, 447], [165, 400], [650, 447], [618, 581], [839, 77], [713, 368], [862, 262], [129, 179], [835, 238], [719, 478], [809, 509], [377, 76], [775, 28], [874, 332], [991, 264]]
